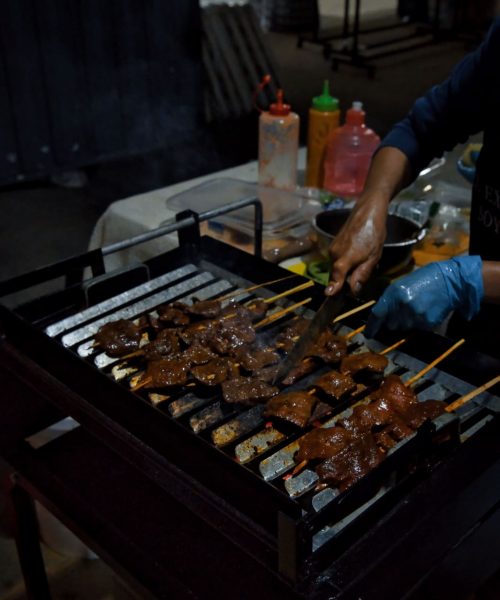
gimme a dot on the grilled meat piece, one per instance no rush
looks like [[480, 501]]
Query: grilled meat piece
[[330, 348], [230, 334], [395, 391], [167, 372], [288, 337], [294, 407], [254, 359], [368, 361], [304, 368], [322, 443], [336, 385], [416, 414], [198, 354], [173, 314], [215, 372], [254, 311], [247, 390], [207, 309], [354, 461], [165, 345], [267, 374], [118, 338], [385, 440], [198, 332]]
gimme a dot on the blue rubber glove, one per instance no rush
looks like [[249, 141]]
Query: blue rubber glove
[[425, 298]]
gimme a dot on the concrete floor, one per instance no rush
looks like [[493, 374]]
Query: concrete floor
[[43, 223]]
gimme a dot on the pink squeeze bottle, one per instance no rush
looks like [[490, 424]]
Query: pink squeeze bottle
[[348, 155]]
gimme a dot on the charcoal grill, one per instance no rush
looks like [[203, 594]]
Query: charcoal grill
[[426, 504]]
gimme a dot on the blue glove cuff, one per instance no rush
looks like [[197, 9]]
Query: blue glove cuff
[[464, 278]]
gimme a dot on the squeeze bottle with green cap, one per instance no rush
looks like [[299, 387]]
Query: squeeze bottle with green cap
[[324, 117], [278, 145], [349, 153]]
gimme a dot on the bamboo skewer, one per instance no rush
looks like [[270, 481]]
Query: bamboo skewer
[[354, 333], [252, 288], [354, 311], [299, 288], [471, 395], [393, 347], [277, 315], [434, 363]]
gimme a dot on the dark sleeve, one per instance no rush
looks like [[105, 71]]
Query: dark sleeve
[[452, 111]]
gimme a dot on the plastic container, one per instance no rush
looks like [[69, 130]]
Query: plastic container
[[324, 117], [349, 153], [278, 146]]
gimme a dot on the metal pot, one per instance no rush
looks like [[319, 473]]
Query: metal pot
[[402, 235]]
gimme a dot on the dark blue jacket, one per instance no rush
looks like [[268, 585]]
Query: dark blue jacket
[[466, 103]]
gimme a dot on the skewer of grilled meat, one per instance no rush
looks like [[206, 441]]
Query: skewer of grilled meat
[[366, 361], [393, 415]]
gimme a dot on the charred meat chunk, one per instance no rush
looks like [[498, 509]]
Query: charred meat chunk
[[206, 309], [165, 345], [368, 361], [254, 359], [229, 334], [289, 336], [294, 407], [198, 354], [330, 348], [396, 392], [253, 311], [215, 372], [420, 412], [268, 374], [352, 463], [118, 338], [198, 332], [322, 443], [173, 314], [167, 372], [336, 385], [306, 367], [247, 390]]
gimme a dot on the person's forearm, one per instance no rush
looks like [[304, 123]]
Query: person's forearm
[[389, 174], [491, 282]]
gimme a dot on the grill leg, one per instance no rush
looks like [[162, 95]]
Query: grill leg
[[28, 545]]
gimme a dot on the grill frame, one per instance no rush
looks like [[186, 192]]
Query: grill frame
[[278, 534]]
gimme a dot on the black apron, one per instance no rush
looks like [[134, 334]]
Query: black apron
[[484, 330]]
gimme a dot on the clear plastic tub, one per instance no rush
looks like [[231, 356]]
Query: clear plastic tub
[[282, 209]]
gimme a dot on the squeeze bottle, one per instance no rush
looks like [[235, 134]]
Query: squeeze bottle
[[278, 145], [324, 117], [348, 155]]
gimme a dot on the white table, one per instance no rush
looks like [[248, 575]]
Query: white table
[[129, 217]]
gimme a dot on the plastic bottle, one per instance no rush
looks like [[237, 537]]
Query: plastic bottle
[[324, 117], [348, 156], [278, 145]]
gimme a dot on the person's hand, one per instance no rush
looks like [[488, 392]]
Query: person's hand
[[358, 247], [425, 298]]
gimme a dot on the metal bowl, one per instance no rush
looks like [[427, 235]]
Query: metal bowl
[[402, 236]]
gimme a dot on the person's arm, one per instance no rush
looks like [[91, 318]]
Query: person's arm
[[491, 282], [446, 115], [358, 247]]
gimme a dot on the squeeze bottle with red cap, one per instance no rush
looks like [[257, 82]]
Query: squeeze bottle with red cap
[[324, 117], [278, 145], [348, 155]]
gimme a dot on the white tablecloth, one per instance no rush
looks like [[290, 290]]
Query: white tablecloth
[[144, 212]]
